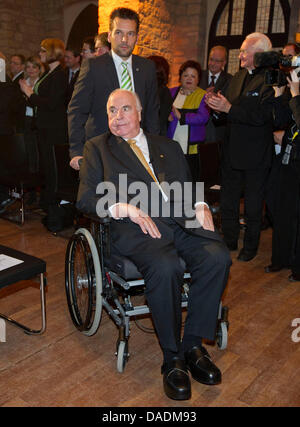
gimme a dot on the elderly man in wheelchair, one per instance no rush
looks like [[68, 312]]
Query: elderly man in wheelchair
[[161, 243]]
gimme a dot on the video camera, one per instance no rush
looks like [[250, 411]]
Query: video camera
[[272, 60]]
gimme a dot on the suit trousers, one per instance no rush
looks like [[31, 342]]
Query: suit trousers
[[286, 224], [251, 183], [47, 138], [158, 260]]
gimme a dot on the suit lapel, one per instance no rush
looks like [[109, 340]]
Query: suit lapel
[[124, 155], [112, 74], [236, 88], [137, 76], [220, 81], [157, 159], [254, 83]]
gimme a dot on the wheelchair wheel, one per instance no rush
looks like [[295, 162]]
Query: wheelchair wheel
[[83, 281], [222, 335], [122, 355]]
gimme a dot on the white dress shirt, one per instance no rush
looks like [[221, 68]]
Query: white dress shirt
[[72, 72], [215, 75], [141, 142], [118, 61]]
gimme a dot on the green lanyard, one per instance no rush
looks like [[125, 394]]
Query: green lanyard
[[36, 86]]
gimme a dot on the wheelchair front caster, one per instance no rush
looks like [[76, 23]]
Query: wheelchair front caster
[[222, 335], [222, 328], [122, 355]]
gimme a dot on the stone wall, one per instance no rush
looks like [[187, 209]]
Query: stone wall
[[24, 23], [172, 28], [21, 25], [188, 33]]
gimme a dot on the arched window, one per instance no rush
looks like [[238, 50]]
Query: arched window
[[85, 25], [234, 19]]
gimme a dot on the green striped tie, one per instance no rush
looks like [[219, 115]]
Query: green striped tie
[[125, 78]]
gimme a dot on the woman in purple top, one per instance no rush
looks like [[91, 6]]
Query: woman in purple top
[[189, 114]]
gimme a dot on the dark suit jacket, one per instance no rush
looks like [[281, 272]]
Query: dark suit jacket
[[20, 114], [12, 106], [107, 156], [71, 84], [51, 100], [249, 134], [16, 81], [221, 84], [215, 131], [98, 77]]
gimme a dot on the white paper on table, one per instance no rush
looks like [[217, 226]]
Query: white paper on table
[[8, 261]]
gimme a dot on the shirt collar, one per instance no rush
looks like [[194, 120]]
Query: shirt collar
[[215, 75], [138, 137], [118, 60]]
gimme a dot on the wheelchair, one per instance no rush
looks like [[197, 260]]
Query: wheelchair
[[97, 279]]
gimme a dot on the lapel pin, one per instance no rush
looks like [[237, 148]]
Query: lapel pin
[[137, 69], [162, 156]]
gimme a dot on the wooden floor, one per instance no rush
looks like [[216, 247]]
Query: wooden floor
[[261, 366]]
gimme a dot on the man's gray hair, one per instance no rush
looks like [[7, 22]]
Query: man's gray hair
[[263, 42], [137, 99]]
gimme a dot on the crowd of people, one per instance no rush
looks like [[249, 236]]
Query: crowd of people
[[96, 98]]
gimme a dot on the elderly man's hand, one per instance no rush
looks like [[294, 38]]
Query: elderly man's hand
[[218, 102], [147, 225], [204, 216]]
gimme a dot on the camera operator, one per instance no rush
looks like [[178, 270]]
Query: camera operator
[[286, 225]]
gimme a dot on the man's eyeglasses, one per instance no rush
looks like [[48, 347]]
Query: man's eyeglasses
[[216, 60]]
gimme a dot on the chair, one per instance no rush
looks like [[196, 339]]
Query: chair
[[28, 268], [95, 278], [15, 172]]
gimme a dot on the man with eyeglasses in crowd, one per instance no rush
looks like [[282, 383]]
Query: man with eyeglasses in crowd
[[17, 65], [216, 79], [102, 44]]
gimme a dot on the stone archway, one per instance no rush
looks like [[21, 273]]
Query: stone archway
[[72, 12]]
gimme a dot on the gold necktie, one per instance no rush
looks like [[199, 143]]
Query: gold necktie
[[138, 152]]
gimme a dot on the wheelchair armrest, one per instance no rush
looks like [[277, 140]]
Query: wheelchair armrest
[[96, 218]]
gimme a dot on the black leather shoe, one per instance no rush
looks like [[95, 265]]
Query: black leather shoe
[[5, 204], [201, 366], [177, 384], [272, 268], [246, 255], [294, 277]]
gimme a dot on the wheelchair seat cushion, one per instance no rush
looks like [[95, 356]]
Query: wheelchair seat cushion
[[125, 268]]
